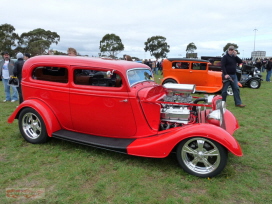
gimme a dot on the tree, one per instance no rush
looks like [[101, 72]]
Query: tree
[[191, 47], [157, 46], [39, 47], [111, 44], [40, 38], [227, 46], [7, 38]]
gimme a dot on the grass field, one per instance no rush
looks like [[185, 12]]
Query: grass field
[[71, 173]]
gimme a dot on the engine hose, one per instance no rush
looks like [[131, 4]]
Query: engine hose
[[198, 100], [163, 127]]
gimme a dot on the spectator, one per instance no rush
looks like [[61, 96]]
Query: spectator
[[229, 64], [149, 63], [6, 70], [268, 70], [71, 52], [17, 71], [258, 64], [26, 56], [128, 58], [155, 67], [264, 62], [159, 66]]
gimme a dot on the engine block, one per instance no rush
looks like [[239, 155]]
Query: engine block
[[177, 93]]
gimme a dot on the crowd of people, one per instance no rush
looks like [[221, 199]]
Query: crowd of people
[[10, 68], [155, 66], [229, 62]]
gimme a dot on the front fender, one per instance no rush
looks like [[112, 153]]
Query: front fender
[[160, 146], [50, 120]]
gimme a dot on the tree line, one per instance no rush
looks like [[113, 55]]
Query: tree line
[[38, 42]]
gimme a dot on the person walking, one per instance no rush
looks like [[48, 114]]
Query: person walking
[[17, 72], [268, 70], [229, 63], [6, 70], [155, 67]]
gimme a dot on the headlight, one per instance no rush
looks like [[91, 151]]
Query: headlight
[[221, 104], [215, 117]]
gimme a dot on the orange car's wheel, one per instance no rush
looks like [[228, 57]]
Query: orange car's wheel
[[169, 81]]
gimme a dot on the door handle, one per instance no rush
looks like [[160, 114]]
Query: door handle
[[125, 100]]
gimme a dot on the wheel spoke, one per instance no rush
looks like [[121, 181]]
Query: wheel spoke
[[189, 150], [206, 163], [195, 161], [200, 144], [213, 152]]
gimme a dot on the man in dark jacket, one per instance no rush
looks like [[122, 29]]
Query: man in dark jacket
[[268, 69], [229, 64], [17, 71]]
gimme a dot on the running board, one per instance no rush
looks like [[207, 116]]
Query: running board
[[108, 143]]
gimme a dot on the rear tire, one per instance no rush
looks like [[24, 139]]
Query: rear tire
[[254, 83], [32, 127]]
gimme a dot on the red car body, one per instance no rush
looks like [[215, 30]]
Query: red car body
[[116, 105]]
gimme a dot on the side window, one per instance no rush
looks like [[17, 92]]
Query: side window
[[217, 63], [53, 74], [199, 66], [180, 65], [97, 78]]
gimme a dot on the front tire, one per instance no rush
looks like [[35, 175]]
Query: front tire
[[254, 83], [201, 157], [32, 127], [170, 81]]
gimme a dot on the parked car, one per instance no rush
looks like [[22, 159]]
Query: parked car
[[116, 105], [215, 62], [248, 76], [192, 71]]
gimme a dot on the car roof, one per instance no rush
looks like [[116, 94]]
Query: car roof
[[56, 60], [186, 59]]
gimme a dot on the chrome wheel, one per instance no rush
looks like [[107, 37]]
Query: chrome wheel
[[230, 91], [201, 157], [32, 126], [254, 84]]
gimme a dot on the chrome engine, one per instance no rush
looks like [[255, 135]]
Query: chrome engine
[[173, 113]]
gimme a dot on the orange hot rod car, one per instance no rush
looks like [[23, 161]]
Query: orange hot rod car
[[192, 71]]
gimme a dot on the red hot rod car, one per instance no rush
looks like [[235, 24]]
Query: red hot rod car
[[116, 105]]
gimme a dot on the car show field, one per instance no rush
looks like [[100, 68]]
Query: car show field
[[74, 173]]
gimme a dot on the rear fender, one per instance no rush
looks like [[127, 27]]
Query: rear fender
[[49, 118], [160, 146]]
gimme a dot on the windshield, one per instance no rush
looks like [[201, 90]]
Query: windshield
[[139, 75]]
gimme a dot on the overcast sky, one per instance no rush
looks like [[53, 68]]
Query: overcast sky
[[210, 24]]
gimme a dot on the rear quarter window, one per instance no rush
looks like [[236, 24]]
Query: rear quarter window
[[97, 78], [53, 74]]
